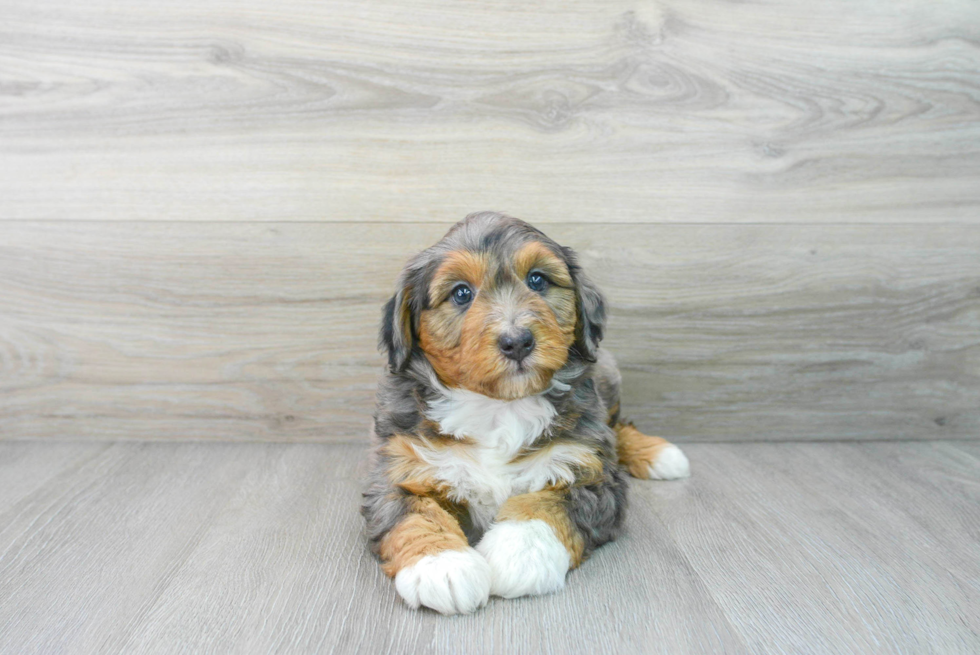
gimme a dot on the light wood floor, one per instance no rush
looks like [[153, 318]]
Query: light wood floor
[[798, 548]]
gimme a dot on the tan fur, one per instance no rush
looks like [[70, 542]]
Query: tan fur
[[547, 506], [429, 529], [461, 344], [637, 451], [459, 266], [406, 469], [536, 256]]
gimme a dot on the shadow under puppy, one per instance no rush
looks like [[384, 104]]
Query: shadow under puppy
[[500, 457]]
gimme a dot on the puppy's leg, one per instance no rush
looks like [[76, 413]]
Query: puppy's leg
[[532, 545], [538, 537], [643, 456], [649, 457], [432, 563]]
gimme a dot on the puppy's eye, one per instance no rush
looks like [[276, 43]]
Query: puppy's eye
[[536, 282], [461, 295]]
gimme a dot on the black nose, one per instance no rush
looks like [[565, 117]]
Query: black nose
[[516, 344]]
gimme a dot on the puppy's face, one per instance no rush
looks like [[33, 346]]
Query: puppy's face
[[499, 322], [495, 307]]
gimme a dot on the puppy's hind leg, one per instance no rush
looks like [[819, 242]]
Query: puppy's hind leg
[[645, 457], [649, 457]]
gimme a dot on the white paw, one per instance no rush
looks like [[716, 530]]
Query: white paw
[[526, 558], [451, 582], [671, 464]]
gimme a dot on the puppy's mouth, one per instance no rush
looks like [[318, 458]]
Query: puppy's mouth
[[521, 369], [519, 374], [523, 378]]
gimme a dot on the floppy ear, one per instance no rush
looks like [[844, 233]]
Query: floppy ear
[[397, 332], [591, 308]]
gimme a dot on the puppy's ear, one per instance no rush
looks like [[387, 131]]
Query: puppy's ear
[[397, 330], [591, 308]]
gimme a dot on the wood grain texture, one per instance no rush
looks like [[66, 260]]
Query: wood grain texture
[[621, 111], [208, 548], [267, 331], [835, 547]]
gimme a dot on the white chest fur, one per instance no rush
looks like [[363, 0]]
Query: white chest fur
[[485, 475]]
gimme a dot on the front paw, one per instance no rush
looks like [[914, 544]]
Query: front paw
[[525, 557], [451, 582]]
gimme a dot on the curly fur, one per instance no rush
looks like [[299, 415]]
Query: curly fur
[[466, 441]]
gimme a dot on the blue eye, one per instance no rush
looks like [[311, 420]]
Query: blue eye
[[536, 282], [462, 295]]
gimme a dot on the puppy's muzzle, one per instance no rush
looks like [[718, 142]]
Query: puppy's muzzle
[[516, 343]]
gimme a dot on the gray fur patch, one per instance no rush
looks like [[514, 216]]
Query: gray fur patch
[[598, 510]]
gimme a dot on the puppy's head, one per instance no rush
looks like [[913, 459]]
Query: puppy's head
[[496, 307]]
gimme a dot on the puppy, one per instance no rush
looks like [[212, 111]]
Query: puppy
[[500, 457]]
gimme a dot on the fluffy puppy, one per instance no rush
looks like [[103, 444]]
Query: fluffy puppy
[[500, 458]]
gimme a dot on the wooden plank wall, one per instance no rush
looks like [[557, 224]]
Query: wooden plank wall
[[204, 204]]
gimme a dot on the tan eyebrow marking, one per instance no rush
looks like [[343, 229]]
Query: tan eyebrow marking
[[459, 266], [537, 256]]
